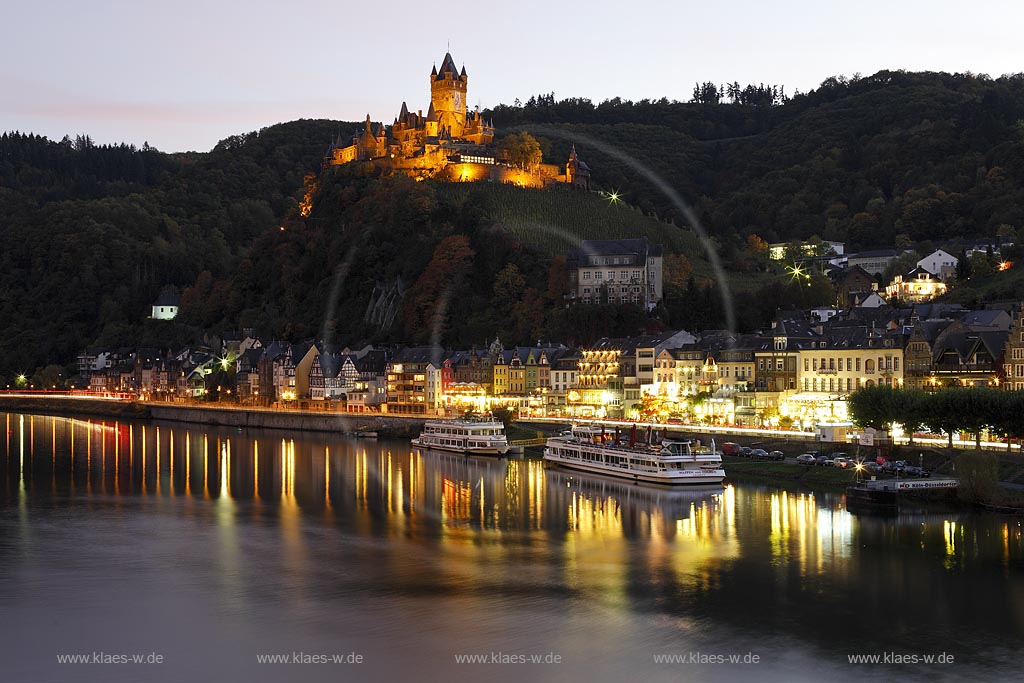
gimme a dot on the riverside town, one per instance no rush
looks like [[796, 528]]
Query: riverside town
[[362, 354]]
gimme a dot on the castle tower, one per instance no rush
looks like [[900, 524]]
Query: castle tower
[[430, 124], [369, 144], [577, 173], [448, 96]]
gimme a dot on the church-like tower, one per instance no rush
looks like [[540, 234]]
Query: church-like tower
[[448, 96]]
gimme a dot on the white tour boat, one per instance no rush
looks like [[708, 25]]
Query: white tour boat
[[473, 436], [592, 449]]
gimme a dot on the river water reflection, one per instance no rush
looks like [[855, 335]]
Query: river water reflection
[[213, 548]]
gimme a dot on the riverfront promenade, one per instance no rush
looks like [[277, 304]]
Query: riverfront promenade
[[325, 420]]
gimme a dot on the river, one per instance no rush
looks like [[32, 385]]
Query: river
[[215, 550]]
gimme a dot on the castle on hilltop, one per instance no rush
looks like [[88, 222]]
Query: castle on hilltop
[[450, 142]]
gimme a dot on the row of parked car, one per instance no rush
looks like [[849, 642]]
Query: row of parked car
[[838, 459], [730, 448], [841, 460]]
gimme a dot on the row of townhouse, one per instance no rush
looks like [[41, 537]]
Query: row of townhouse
[[146, 372], [802, 368]]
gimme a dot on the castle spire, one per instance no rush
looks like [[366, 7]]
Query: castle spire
[[404, 113], [433, 71], [447, 66]]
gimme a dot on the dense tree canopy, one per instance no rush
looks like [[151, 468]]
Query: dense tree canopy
[[91, 234], [861, 160]]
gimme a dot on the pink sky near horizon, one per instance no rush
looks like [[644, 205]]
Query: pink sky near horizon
[[186, 75]]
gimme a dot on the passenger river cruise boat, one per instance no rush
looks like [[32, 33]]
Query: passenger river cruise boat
[[592, 449], [472, 436]]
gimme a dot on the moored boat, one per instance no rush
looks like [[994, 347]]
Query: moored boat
[[472, 436], [667, 462]]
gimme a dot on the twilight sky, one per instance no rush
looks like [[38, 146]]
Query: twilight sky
[[183, 75]]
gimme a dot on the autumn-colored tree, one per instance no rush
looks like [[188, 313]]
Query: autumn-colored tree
[[676, 271], [757, 252], [558, 281], [424, 309], [756, 245], [523, 150]]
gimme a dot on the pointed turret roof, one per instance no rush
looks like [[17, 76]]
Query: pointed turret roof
[[463, 74], [433, 71], [405, 112], [431, 114], [447, 65], [368, 130]]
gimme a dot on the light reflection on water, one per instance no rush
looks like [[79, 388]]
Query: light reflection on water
[[211, 545]]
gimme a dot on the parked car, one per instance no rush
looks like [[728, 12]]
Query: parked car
[[745, 451], [841, 462], [759, 453], [893, 466], [805, 459], [871, 467], [730, 448], [822, 460], [915, 471], [776, 455]]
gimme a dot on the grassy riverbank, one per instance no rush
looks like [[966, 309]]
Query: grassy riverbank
[[745, 469]]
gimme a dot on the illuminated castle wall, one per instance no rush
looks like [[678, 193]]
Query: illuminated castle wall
[[450, 142]]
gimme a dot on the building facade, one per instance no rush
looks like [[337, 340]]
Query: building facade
[[1013, 353], [616, 272]]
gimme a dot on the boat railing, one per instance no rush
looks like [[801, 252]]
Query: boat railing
[[647, 449]]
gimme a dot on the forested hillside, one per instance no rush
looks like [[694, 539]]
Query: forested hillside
[[91, 234], [863, 160]]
